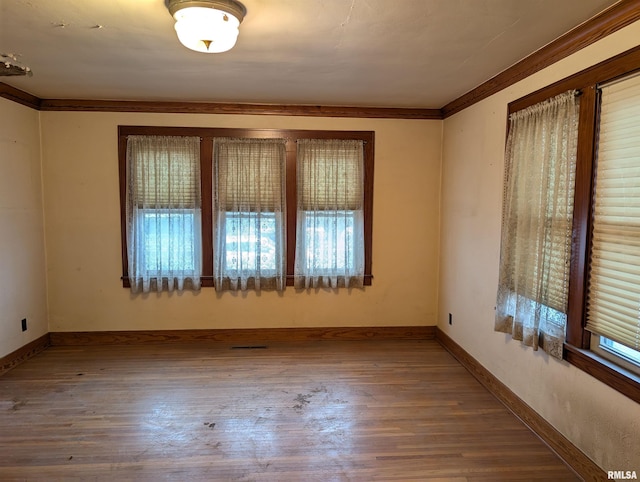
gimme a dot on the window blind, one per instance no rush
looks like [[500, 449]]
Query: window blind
[[330, 174], [165, 170], [613, 296], [250, 174]]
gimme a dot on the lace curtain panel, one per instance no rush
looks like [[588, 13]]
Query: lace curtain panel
[[540, 163], [249, 210], [163, 213], [330, 221]]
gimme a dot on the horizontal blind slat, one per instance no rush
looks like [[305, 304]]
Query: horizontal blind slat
[[334, 182], [249, 174], [165, 170], [613, 293]]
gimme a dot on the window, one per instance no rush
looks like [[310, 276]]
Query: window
[[324, 233], [330, 232], [249, 202], [160, 231], [613, 284], [163, 214], [603, 310], [250, 226], [615, 352], [250, 242]]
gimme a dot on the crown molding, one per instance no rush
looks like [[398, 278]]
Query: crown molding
[[237, 108], [84, 105], [19, 96], [614, 18]]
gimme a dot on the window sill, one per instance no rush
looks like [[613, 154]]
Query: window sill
[[207, 281], [607, 372]]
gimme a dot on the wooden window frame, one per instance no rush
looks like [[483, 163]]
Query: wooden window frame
[[577, 344], [206, 165]]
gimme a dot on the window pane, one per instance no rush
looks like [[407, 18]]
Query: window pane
[[329, 240], [250, 242], [619, 349], [164, 235]]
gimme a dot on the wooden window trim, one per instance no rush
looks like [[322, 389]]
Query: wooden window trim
[[206, 163], [577, 344], [607, 372]]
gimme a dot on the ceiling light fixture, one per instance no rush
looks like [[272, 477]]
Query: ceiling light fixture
[[209, 26]]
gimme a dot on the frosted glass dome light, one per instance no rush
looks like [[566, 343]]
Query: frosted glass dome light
[[209, 26]]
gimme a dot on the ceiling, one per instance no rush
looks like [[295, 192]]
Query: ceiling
[[374, 53]]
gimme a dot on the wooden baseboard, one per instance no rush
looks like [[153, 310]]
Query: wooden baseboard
[[572, 456], [22, 354], [242, 336]]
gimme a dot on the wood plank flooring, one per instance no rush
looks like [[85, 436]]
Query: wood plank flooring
[[396, 410]]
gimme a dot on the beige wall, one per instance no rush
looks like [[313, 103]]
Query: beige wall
[[600, 421], [83, 233], [22, 262]]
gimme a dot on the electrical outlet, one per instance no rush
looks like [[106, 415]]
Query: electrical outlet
[[24, 324], [450, 319]]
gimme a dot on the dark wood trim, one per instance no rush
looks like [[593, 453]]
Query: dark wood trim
[[610, 69], [581, 218], [616, 17], [369, 157], [292, 208], [289, 134], [206, 159], [159, 107], [206, 181], [20, 355], [618, 378], [243, 337], [569, 453], [81, 105], [19, 96], [122, 172]]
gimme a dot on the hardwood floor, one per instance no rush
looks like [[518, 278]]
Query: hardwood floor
[[314, 411]]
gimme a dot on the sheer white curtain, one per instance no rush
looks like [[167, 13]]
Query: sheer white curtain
[[330, 221], [540, 165], [163, 213], [249, 211]]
